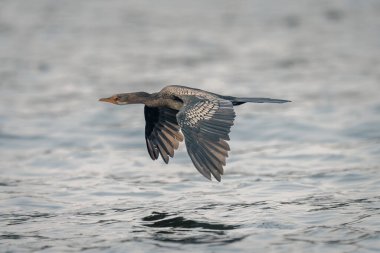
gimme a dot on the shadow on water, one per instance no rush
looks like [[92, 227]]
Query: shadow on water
[[170, 228]]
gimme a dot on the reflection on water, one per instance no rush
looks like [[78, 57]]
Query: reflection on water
[[181, 230], [75, 175]]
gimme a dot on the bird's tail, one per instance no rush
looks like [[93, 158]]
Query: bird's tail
[[239, 101]]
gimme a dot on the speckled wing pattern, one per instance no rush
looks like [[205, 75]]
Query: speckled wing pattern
[[162, 133], [206, 123]]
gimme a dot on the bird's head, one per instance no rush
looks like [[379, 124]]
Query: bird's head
[[118, 99], [126, 98]]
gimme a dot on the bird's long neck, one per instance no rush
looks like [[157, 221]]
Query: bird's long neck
[[139, 97], [152, 100]]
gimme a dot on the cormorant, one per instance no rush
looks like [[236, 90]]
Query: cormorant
[[204, 118]]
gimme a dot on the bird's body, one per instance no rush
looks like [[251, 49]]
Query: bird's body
[[203, 119]]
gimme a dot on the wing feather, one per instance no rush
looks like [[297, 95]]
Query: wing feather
[[206, 124], [162, 132]]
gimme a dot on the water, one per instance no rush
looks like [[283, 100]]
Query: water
[[301, 177]]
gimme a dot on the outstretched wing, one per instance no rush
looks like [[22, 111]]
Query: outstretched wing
[[162, 134], [206, 124]]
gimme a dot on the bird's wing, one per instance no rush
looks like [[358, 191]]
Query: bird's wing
[[162, 134], [206, 124]]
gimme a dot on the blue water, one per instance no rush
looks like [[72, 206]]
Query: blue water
[[301, 177]]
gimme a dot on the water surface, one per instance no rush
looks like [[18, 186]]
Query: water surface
[[301, 177]]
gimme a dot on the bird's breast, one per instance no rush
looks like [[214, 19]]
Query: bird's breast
[[165, 102]]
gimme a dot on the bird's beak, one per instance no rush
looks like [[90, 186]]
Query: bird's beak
[[109, 100]]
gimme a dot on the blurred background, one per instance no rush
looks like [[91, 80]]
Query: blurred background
[[303, 176]]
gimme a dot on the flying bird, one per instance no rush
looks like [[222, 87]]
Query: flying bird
[[201, 118]]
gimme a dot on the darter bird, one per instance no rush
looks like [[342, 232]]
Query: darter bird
[[202, 118]]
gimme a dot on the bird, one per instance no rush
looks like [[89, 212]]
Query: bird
[[202, 119]]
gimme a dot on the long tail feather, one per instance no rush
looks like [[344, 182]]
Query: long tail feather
[[239, 101]]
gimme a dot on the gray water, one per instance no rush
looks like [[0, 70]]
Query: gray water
[[301, 177]]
